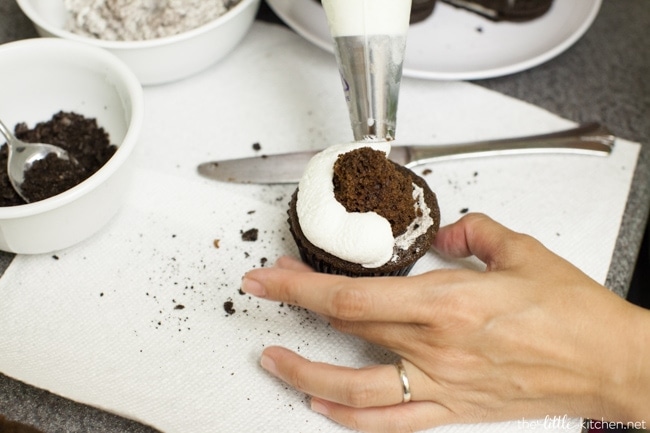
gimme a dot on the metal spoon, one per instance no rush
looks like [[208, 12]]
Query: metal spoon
[[21, 155]]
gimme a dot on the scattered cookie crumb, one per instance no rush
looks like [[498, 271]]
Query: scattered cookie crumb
[[464, 210], [249, 235], [228, 307], [257, 147], [216, 243], [179, 307], [426, 171], [55, 257]]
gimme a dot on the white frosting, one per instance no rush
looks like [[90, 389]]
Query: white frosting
[[364, 238], [372, 17]]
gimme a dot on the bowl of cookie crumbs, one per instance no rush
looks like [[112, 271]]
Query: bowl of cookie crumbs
[[87, 101], [161, 41]]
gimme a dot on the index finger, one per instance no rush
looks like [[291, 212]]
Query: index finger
[[382, 299]]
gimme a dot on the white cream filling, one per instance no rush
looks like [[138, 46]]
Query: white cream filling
[[418, 227], [372, 17], [364, 238]]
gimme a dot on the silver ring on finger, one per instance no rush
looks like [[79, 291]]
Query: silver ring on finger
[[404, 380]]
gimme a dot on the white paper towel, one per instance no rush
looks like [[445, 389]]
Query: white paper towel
[[133, 320]]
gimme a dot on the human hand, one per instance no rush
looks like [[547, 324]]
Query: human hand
[[529, 337]]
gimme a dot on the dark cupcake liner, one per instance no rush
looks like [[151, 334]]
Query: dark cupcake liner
[[319, 263]]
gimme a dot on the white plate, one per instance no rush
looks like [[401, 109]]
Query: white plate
[[455, 44]]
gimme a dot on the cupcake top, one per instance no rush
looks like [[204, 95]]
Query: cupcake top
[[354, 204]]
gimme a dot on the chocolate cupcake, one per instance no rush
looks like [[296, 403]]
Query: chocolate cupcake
[[356, 213]]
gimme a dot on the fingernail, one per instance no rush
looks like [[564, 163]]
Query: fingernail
[[253, 287], [268, 364], [319, 407]]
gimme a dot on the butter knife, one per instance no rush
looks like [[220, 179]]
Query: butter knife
[[588, 139]]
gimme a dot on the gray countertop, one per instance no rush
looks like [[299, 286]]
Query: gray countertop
[[603, 77]]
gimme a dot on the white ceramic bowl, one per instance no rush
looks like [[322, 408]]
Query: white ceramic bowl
[[41, 77], [159, 60]]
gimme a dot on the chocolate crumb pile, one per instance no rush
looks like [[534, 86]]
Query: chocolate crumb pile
[[88, 143], [365, 181]]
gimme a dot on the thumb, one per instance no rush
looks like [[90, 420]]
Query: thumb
[[478, 235]]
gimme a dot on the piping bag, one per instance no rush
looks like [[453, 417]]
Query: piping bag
[[369, 44]]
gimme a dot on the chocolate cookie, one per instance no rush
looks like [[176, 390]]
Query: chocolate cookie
[[421, 9], [505, 10]]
